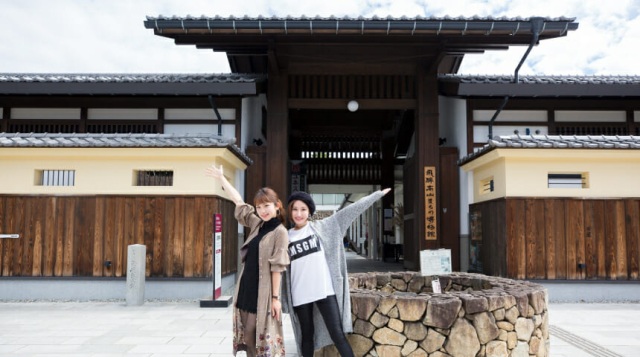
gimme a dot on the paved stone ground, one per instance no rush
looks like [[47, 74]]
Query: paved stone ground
[[162, 329], [182, 328]]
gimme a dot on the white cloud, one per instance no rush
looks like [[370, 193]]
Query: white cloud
[[108, 35]]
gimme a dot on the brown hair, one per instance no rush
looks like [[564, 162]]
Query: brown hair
[[268, 195]]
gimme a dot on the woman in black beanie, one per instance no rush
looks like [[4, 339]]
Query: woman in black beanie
[[318, 274]]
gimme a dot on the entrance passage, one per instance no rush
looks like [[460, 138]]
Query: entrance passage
[[342, 147]]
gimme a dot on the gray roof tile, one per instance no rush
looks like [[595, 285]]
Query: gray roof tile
[[555, 142], [351, 18], [50, 140], [542, 79], [231, 84], [130, 77], [554, 27]]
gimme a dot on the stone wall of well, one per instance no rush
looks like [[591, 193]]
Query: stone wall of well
[[397, 314]]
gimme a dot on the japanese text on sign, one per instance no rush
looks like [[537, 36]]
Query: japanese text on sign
[[430, 218]]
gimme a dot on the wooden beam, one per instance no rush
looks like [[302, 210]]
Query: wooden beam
[[363, 104], [352, 68]]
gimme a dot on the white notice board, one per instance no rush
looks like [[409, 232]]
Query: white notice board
[[435, 262]]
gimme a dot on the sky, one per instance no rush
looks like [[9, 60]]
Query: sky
[[108, 36]]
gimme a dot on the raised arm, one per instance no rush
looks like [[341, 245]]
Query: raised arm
[[348, 214], [216, 173]]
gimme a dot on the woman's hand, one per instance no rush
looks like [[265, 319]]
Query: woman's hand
[[276, 309], [386, 190], [213, 171]]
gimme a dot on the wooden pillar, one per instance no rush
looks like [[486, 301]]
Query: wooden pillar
[[4, 122], [84, 115], [278, 133], [427, 150], [388, 180]]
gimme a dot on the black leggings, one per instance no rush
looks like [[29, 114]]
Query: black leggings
[[330, 312]]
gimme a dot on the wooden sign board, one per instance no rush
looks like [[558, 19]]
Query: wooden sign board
[[430, 207]]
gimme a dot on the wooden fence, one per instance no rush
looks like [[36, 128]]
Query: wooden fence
[[89, 235], [555, 238]]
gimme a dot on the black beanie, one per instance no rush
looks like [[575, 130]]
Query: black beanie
[[304, 197]]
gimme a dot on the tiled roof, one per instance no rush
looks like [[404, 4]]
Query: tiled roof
[[540, 86], [119, 141], [554, 27], [541, 79], [129, 77], [129, 84], [555, 142], [351, 18]]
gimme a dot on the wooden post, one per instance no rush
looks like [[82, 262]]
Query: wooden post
[[427, 149], [278, 135]]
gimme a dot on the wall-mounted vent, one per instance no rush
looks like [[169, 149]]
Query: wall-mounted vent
[[570, 180], [486, 186], [153, 178], [55, 177]]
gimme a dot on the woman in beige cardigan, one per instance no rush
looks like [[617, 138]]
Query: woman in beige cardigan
[[257, 313]]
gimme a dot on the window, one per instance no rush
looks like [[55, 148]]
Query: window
[[55, 177], [486, 185], [153, 178], [329, 199], [567, 180]]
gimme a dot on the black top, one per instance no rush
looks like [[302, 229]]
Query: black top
[[248, 292]]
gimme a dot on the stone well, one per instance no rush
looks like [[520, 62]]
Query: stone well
[[397, 314]]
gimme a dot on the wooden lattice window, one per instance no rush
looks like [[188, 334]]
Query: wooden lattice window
[[591, 130], [153, 178]]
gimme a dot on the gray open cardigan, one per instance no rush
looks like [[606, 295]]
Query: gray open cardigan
[[330, 231]]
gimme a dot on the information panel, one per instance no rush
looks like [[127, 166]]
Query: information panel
[[435, 262]]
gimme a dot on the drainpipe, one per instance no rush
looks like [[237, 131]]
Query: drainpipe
[[215, 110], [537, 24]]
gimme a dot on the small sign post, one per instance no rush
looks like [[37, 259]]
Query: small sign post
[[218, 300], [217, 256]]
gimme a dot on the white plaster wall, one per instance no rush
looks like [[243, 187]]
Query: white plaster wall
[[111, 170], [45, 113], [252, 119], [122, 113], [199, 113], [524, 172], [582, 116], [453, 126], [511, 115], [228, 130]]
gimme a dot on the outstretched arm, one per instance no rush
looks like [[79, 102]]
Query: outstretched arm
[[216, 173], [348, 214]]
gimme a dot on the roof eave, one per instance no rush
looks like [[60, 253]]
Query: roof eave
[[130, 88], [335, 26], [539, 90]]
